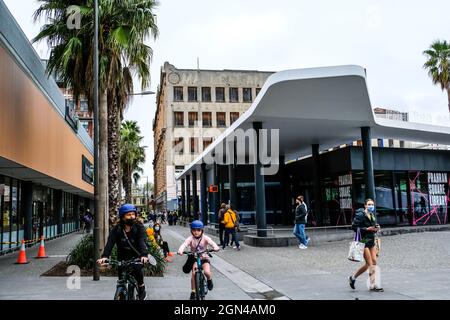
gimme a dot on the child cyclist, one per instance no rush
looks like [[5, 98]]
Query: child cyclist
[[199, 242]]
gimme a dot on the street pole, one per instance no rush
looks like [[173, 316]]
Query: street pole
[[96, 142]]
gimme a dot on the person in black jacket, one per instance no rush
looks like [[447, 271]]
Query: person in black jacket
[[366, 222], [300, 221], [130, 238]]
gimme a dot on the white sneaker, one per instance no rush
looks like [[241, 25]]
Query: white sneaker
[[234, 247], [302, 246]]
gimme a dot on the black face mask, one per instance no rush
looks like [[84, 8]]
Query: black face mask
[[130, 222]]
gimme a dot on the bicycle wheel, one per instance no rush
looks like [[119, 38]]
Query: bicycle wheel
[[132, 292], [121, 294], [199, 286]]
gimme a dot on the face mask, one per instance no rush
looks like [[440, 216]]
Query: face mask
[[130, 222], [156, 229], [371, 208]]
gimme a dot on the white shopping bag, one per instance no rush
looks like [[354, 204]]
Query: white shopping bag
[[356, 250]]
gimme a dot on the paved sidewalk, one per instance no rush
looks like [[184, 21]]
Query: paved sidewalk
[[413, 266]]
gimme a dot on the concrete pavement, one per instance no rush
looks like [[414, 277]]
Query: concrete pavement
[[413, 266]]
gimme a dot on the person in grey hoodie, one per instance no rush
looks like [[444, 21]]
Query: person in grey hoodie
[[300, 222]]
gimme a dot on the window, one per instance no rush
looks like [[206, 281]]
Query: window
[[247, 94], [258, 90], [84, 105], [234, 95], [178, 146], [177, 93], [207, 142], [85, 125], [193, 119], [194, 146], [192, 94], [220, 94], [221, 119], [207, 119], [206, 94], [179, 119], [233, 117]]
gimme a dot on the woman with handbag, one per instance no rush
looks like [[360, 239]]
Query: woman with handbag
[[366, 222], [231, 223]]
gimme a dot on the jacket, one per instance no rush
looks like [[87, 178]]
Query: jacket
[[137, 238], [229, 219], [300, 214], [362, 222], [221, 215]]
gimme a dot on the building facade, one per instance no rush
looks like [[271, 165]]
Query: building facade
[[46, 179], [193, 108]]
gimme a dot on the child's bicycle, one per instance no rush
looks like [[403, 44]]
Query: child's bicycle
[[201, 285]]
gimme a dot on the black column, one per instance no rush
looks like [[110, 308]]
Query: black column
[[194, 193], [183, 198], [260, 197], [233, 185], [215, 204], [368, 163], [317, 193], [285, 192], [76, 211], [188, 196], [27, 205], [57, 194], [203, 209]]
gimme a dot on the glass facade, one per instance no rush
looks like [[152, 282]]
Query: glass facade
[[44, 216]]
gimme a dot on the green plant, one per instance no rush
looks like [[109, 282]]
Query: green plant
[[158, 270], [83, 253]]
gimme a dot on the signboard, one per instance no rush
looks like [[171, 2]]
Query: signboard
[[436, 187], [345, 191], [213, 188], [87, 170]]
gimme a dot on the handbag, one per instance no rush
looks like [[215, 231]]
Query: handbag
[[356, 250], [378, 246], [236, 224], [187, 267]]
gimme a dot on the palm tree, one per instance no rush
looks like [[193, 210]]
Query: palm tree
[[132, 155], [123, 27], [438, 65]]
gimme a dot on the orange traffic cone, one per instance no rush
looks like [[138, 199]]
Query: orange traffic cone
[[22, 255], [41, 252], [170, 254]]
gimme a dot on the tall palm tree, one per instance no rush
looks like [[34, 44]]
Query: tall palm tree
[[438, 65], [123, 27], [132, 154]]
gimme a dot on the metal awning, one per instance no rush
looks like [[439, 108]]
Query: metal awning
[[325, 106]]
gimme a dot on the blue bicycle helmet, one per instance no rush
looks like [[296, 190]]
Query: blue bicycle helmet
[[125, 208], [197, 224]]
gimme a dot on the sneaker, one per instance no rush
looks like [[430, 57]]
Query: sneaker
[[302, 246], [234, 247], [307, 240], [210, 284], [192, 297], [351, 282], [142, 293], [376, 289], [238, 248]]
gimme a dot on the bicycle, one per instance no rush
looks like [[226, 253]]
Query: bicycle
[[201, 284], [127, 286]]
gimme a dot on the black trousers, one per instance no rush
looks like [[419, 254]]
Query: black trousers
[[221, 231]]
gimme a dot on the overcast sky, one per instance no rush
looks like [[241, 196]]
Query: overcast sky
[[387, 37]]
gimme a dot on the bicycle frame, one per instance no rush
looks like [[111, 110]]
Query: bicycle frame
[[201, 287], [126, 288]]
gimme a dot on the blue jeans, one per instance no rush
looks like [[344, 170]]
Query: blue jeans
[[232, 232], [299, 232]]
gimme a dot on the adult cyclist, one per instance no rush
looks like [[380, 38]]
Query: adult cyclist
[[130, 238], [199, 242]]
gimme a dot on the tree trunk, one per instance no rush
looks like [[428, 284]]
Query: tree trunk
[[127, 184], [448, 94], [113, 158], [103, 169]]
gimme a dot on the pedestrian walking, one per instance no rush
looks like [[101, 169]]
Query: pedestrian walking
[[231, 222], [220, 217], [301, 215], [365, 221], [88, 221]]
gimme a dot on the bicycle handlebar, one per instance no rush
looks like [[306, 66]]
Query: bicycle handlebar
[[136, 261], [199, 252]]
